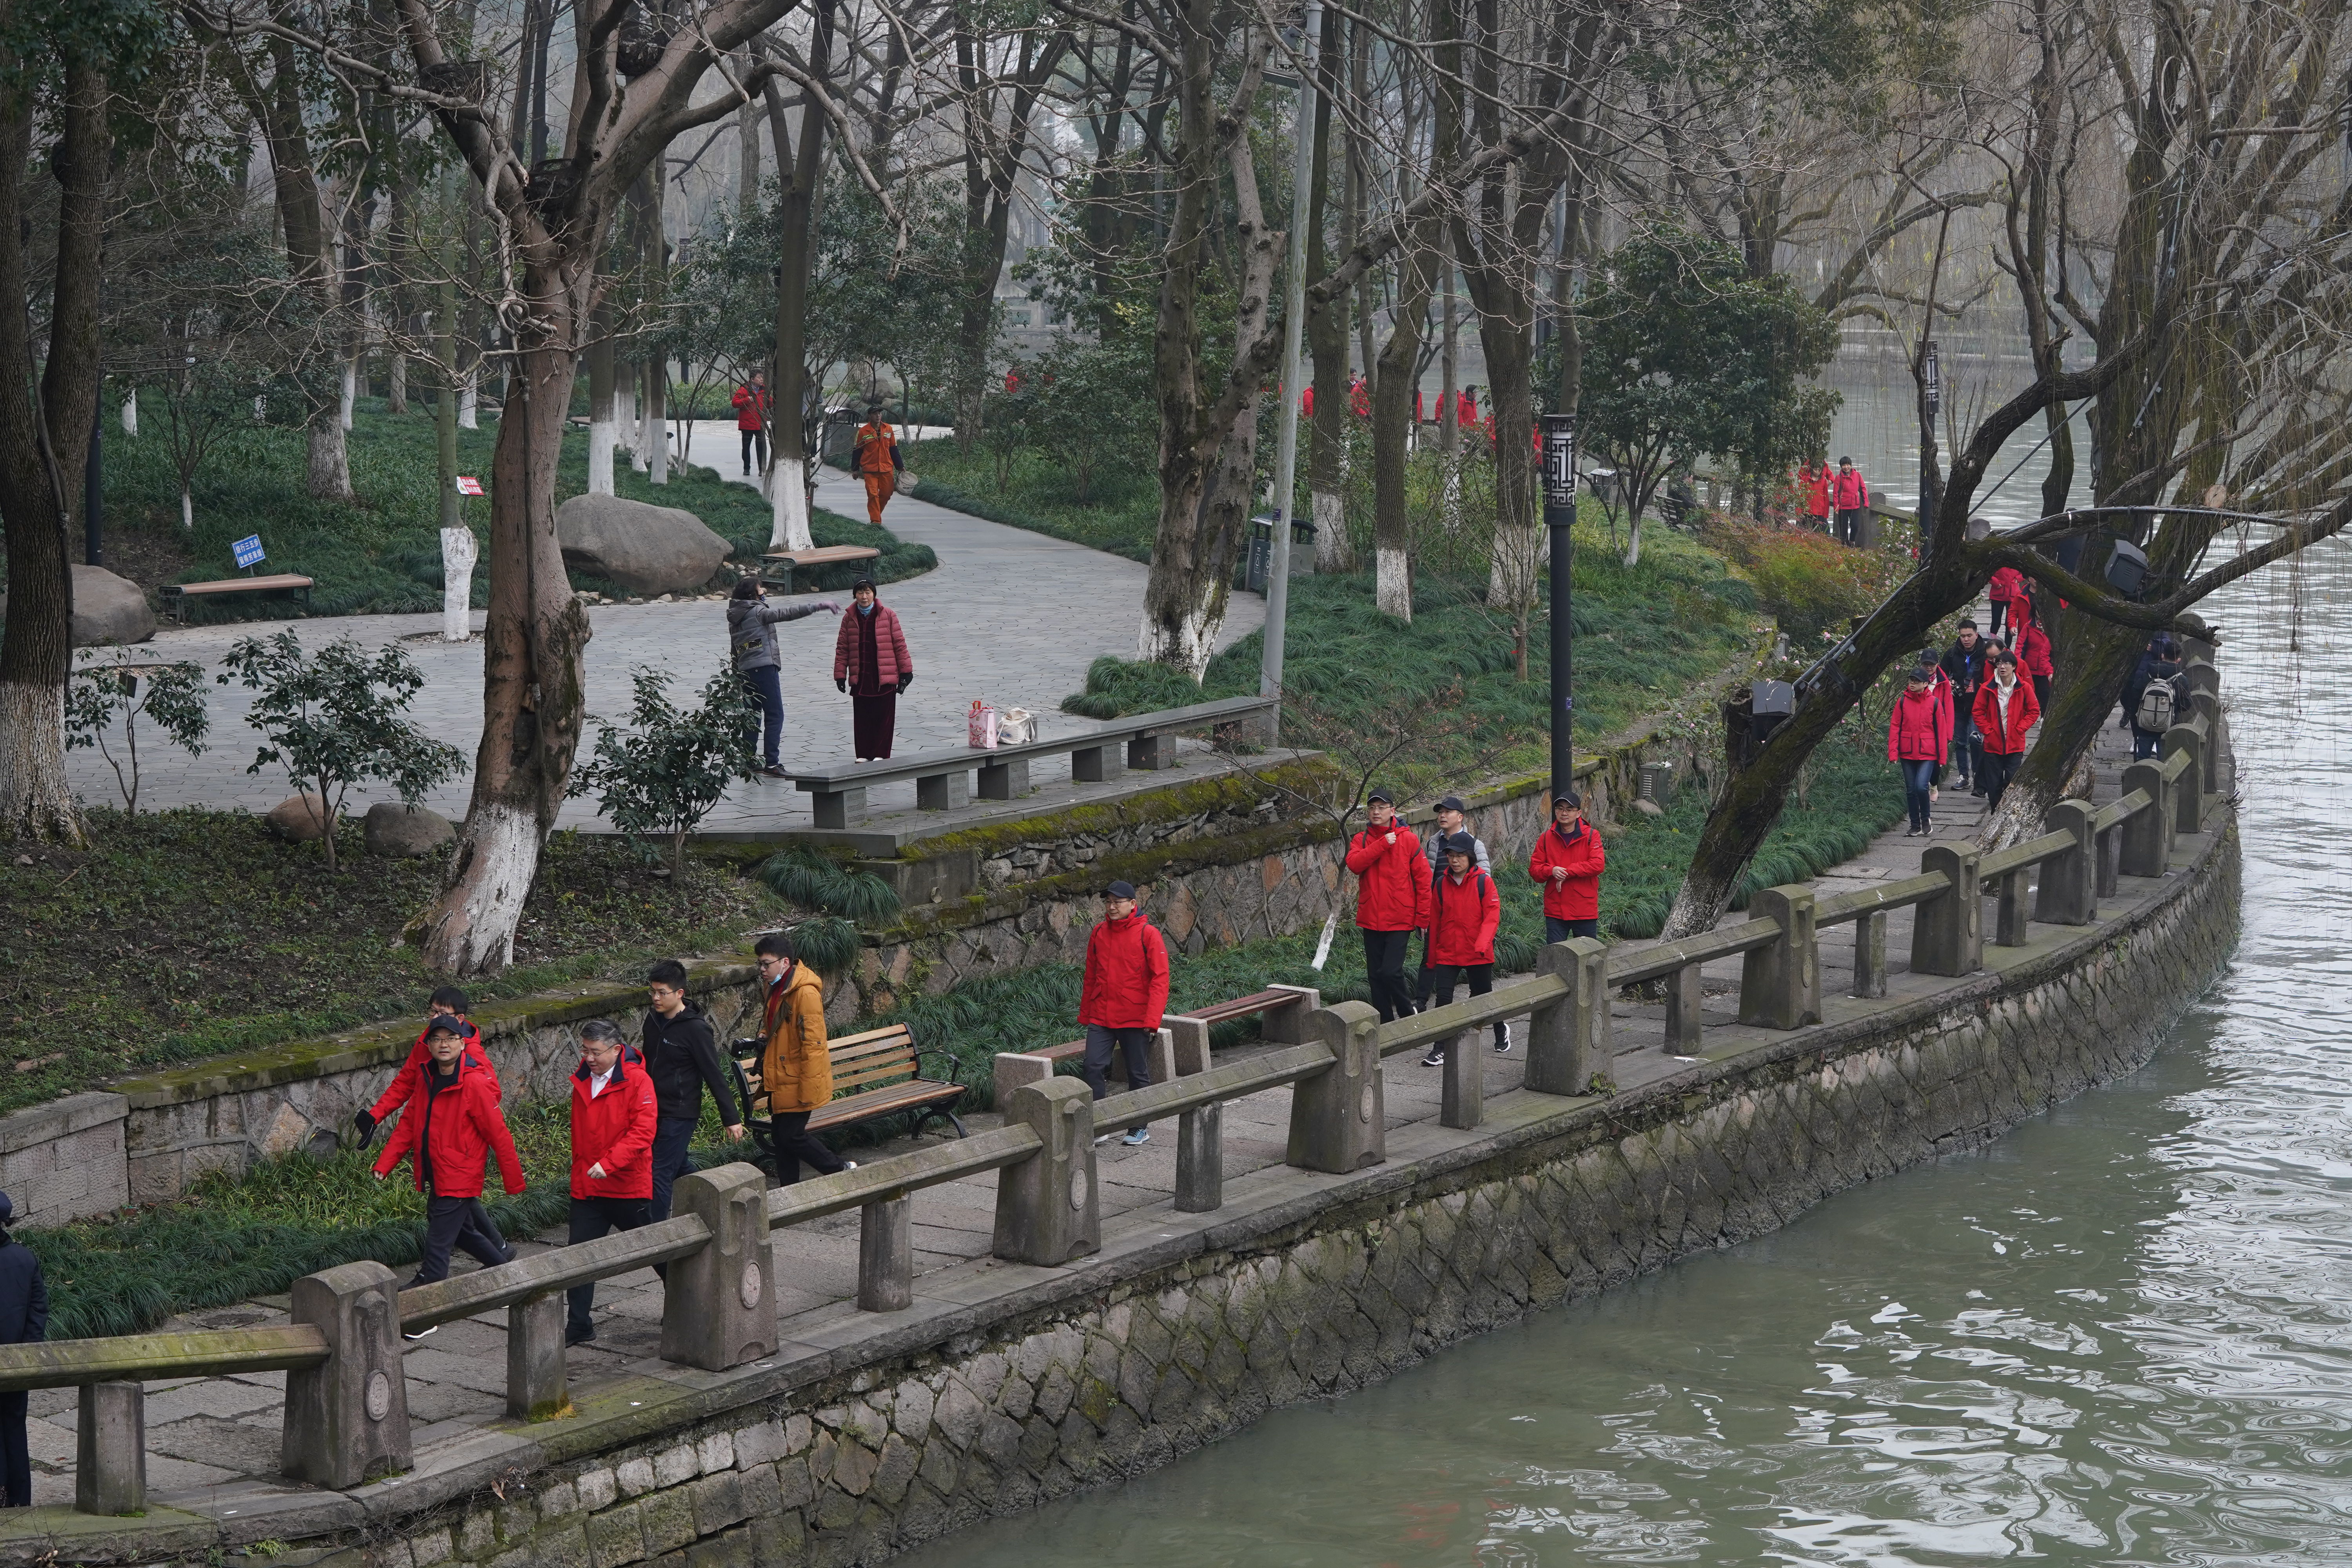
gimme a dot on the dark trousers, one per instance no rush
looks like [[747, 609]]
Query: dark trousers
[[2146, 744], [754, 441], [452, 1223], [1995, 771], [1918, 780], [1442, 977], [795, 1142], [2041, 692], [592, 1217], [873, 723], [1964, 739], [767, 687], [670, 1160], [1384, 968], [16, 1452], [1848, 524], [1999, 614], [1135, 1045], [1558, 929]]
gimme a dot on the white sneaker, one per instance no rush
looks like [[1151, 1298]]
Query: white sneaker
[[1435, 1058]]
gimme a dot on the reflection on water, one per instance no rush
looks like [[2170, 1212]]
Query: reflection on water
[[2118, 1336]]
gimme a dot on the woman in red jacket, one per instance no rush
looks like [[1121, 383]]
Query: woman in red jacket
[[450, 1138], [1850, 493], [1568, 861], [1919, 735], [613, 1113], [1464, 911], [2007, 586], [870, 662], [1392, 900], [2033, 647], [2006, 709]]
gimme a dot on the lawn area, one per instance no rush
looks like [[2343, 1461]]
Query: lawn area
[[382, 553], [184, 934], [1120, 516]]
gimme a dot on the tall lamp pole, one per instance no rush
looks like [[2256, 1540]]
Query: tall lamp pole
[[1293, 326], [1559, 517]]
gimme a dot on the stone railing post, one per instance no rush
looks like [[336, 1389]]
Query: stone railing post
[[1462, 1100], [1568, 1040], [1288, 1025], [1947, 930], [2208, 708], [1047, 1207], [2110, 854], [1781, 986], [1339, 1117], [536, 1386], [111, 1449], [886, 1254], [1200, 1160], [2069, 894], [1685, 994], [1188, 1044], [2189, 789], [1870, 955], [2144, 832], [719, 1309], [347, 1420]]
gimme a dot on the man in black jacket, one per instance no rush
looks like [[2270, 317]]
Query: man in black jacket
[[24, 1320], [1966, 667], [682, 1058]]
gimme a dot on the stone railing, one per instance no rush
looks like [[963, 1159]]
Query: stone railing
[[346, 1413]]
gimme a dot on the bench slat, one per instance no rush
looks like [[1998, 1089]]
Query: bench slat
[[238, 584], [859, 1107]]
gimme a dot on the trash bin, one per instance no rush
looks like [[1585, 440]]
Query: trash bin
[[1261, 552]]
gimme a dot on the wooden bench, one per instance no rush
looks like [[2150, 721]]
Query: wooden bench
[[821, 555], [944, 779], [175, 596], [1183, 1049], [878, 1073]]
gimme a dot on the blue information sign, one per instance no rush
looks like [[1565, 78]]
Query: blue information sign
[[248, 550]]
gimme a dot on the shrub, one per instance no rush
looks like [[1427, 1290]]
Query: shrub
[[816, 881], [1810, 583], [666, 776]]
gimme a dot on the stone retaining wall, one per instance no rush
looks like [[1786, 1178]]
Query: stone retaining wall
[[1113, 1368]]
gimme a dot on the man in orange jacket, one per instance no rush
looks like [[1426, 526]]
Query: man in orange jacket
[[875, 456], [613, 1114]]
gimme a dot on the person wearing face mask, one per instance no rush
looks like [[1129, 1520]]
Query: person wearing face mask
[[1392, 899], [2006, 709], [871, 663]]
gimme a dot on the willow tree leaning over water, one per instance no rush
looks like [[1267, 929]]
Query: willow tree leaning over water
[[2173, 194]]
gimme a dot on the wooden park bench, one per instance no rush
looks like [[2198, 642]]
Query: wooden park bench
[[175, 596], [944, 779], [875, 1074], [821, 555], [1182, 1047]]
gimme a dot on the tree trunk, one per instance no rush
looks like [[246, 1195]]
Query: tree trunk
[[601, 441], [533, 642], [1392, 428], [1327, 334], [799, 174], [331, 466]]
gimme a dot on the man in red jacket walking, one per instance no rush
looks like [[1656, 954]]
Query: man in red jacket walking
[[751, 421], [1124, 997], [1392, 901], [447, 1002], [613, 1111], [449, 1138], [1568, 861]]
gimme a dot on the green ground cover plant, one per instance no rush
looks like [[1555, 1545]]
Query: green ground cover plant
[[382, 553], [183, 934], [1119, 513]]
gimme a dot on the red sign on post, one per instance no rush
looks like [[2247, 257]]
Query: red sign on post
[[468, 486]]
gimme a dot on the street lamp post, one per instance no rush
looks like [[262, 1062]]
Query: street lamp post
[[1294, 324], [1559, 517]]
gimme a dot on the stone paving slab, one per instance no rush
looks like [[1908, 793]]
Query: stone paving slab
[[1009, 616]]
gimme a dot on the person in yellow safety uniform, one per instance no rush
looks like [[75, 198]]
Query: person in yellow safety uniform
[[878, 461]]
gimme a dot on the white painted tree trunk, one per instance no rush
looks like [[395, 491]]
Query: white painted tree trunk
[[34, 800], [1189, 649], [130, 412], [458, 553], [788, 496], [349, 394], [601, 443], [478, 935], [187, 510], [657, 444], [468, 415], [1511, 574], [1392, 582], [625, 414]]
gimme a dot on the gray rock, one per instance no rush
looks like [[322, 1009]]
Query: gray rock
[[398, 832], [106, 609], [642, 548], [299, 819]]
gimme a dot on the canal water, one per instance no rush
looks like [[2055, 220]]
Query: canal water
[[2121, 1335]]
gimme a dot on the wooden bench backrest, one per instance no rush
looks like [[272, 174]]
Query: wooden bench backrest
[[868, 1061]]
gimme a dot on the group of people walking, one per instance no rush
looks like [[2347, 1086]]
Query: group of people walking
[[874, 450], [1835, 501], [871, 664]]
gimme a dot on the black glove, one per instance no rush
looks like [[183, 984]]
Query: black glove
[[840, 685], [364, 1122], [905, 681]]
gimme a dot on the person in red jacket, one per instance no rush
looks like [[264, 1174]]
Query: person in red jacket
[[1918, 736], [1392, 901], [2033, 647], [448, 1142], [1568, 861], [1123, 997], [613, 1111], [751, 404], [2007, 586], [446, 1003], [2006, 709], [871, 663], [1464, 911], [1813, 489], [1850, 493]]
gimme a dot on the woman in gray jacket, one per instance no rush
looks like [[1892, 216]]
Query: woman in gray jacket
[[752, 635]]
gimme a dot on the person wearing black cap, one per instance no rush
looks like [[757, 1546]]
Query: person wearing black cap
[[1567, 861], [450, 1139], [24, 1321], [870, 662], [1391, 902], [448, 1001], [1123, 997], [1464, 911]]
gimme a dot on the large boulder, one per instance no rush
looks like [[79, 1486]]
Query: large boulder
[[299, 819], [399, 832], [106, 609], [642, 548]]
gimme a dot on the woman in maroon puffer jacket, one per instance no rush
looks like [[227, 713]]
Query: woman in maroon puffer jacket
[[870, 662]]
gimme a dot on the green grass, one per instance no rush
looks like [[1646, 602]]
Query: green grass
[[1120, 516], [382, 553], [184, 934]]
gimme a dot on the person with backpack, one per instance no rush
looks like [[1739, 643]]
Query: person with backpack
[[2006, 709], [1452, 819], [1918, 736], [2033, 648], [1850, 493], [1391, 894], [1122, 997], [682, 1058], [1964, 666], [2154, 697], [1464, 911]]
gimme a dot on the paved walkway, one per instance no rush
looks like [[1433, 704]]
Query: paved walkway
[[1012, 617]]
